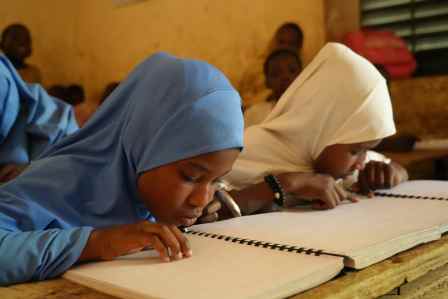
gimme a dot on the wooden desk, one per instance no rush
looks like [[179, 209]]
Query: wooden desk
[[381, 278], [372, 282], [408, 158]]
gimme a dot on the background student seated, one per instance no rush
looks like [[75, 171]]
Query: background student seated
[[280, 69], [252, 85], [17, 46]]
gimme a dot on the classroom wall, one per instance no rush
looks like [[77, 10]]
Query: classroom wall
[[95, 42]]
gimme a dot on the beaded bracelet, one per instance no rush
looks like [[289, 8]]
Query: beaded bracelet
[[277, 189]]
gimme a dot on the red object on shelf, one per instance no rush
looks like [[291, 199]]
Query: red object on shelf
[[383, 48]]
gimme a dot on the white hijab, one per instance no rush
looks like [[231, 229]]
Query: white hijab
[[340, 98]]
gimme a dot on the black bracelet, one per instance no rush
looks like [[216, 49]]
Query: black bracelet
[[276, 187]]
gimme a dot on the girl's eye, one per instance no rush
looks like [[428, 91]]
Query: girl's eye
[[357, 152], [189, 178]]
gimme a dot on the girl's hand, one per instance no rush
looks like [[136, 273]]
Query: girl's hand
[[380, 175], [109, 243], [321, 189]]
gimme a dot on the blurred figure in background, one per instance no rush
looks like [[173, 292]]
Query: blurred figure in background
[[252, 85], [280, 70], [16, 45]]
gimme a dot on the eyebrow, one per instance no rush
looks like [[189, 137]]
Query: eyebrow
[[199, 167], [205, 169]]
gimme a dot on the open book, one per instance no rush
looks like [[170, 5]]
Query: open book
[[279, 254]]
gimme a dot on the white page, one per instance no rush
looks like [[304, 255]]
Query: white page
[[428, 188], [218, 269], [421, 187], [367, 232]]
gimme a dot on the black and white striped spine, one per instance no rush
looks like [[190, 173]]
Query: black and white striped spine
[[256, 243], [385, 194]]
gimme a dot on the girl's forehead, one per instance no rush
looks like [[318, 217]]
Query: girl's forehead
[[368, 144]]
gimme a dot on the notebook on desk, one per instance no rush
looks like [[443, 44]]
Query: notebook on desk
[[279, 254]]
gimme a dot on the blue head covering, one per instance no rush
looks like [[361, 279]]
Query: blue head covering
[[167, 110], [30, 119]]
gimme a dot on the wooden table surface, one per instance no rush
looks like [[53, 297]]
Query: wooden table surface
[[408, 158], [372, 282]]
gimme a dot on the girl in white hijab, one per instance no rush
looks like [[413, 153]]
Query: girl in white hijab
[[318, 133]]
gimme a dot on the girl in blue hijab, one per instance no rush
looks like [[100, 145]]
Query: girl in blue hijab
[[30, 120], [145, 164]]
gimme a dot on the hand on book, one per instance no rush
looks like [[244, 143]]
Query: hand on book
[[109, 243], [380, 175], [322, 190]]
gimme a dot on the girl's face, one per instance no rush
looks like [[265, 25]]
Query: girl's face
[[340, 160], [17, 44], [176, 193], [289, 38]]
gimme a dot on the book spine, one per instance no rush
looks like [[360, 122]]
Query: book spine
[[261, 244], [385, 194]]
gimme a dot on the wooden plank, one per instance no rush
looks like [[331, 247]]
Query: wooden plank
[[433, 285], [381, 278], [51, 289], [408, 158]]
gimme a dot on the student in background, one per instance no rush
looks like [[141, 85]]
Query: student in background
[[138, 170], [108, 90], [16, 45], [75, 94], [85, 110], [280, 69], [58, 91], [72, 94], [252, 85], [30, 121], [319, 132], [288, 35]]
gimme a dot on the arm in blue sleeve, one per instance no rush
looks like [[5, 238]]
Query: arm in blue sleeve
[[9, 105], [38, 255], [49, 120]]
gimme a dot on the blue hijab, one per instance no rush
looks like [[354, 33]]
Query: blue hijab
[[30, 119], [167, 110]]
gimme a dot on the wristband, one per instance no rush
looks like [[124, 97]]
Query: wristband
[[276, 187]]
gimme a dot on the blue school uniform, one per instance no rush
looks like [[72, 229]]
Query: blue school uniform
[[30, 119], [167, 110]]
